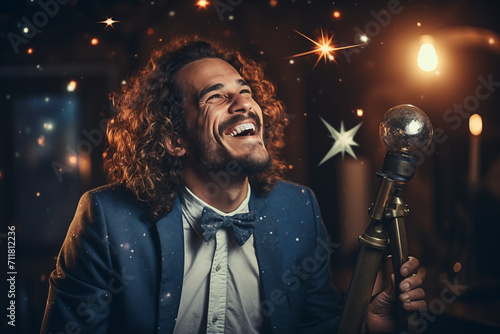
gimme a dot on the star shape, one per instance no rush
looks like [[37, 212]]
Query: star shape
[[324, 47], [343, 140], [108, 22]]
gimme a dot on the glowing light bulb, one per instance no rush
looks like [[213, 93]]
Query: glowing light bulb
[[427, 57], [475, 125]]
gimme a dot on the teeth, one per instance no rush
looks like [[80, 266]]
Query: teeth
[[242, 127]]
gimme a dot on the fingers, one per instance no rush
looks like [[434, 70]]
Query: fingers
[[409, 266], [418, 305], [410, 283], [412, 295]]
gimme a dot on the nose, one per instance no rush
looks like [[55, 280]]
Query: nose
[[240, 104]]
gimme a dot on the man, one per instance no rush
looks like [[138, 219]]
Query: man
[[197, 235]]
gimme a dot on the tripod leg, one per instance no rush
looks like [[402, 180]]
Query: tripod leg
[[373, 244], [398, 247]]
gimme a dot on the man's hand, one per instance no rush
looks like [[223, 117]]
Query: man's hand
[[381, 316]]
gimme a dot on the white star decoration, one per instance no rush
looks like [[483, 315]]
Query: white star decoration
[[343, 141]]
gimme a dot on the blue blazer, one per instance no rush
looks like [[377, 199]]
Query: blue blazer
[[118, 272]]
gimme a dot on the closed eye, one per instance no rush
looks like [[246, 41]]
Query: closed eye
[[215, 96]]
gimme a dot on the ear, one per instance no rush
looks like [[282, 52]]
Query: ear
[[175, 146]]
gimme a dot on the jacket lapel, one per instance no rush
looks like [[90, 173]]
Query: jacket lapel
[[171, 236], [270, 260]]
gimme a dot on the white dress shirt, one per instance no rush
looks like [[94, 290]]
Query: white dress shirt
[[221, 286]]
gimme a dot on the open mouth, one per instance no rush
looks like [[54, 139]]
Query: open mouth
[[241, 130]]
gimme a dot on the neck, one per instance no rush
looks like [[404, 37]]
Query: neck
[[219, 189]]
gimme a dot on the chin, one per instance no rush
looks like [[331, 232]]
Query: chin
[[250, 165]]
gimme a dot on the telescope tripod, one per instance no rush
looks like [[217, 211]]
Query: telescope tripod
[[386, 232]]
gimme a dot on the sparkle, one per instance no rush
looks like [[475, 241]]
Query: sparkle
[[363, 38], [336, 14], [94, 41], [108, 22], [202, 3], [343, 141], [30, 51], [325, 48]]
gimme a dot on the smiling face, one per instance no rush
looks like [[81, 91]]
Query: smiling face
[[224, 121]]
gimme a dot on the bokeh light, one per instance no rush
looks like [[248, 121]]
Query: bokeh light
[[476, 124]]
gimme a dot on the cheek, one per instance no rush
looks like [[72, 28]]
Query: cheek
[[207, 122]]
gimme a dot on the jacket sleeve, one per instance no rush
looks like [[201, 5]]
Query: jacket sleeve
[[321, 313], [79, 294]]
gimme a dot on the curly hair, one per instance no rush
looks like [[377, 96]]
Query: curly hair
[[151, 113]]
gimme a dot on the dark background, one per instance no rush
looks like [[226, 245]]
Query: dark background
[[52, 138]]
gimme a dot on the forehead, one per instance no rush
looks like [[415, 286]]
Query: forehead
[[195, 76]]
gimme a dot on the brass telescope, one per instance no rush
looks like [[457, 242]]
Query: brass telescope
[[403, 129]]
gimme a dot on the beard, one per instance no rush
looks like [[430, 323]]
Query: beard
[[215, 158]]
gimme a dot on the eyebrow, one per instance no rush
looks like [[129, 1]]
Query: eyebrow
[[209, 89]]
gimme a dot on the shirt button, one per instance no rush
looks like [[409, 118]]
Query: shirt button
[[217, 268], [214, 319]]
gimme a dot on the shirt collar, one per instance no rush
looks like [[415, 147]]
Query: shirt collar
[[192, 208]]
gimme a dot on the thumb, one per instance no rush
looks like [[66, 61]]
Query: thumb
[[384, 300]]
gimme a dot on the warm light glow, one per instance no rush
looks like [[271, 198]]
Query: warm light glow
[[71, 86], [427, 57], [336, 14], [325, 47], [491, 41], [457, 267], [202, 3], [37, 194], [30, 51], [419, 24], [359, 112], [94, 41], [109, 22], [475, 125], [273, 3], [49, 126], [41, 140], [72, 160], [363, 38]]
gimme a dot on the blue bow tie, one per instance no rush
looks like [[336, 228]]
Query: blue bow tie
[[240, 225]]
